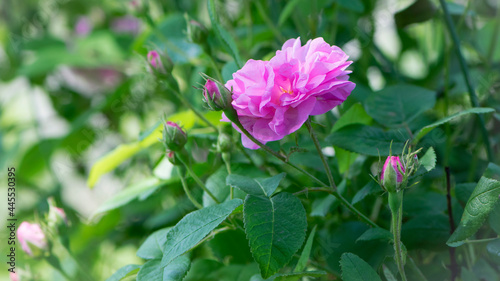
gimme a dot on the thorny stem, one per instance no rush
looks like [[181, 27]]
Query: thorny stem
[[396, 206], [197, 180], [453, 259], [466, 74], [186, 190], [284, 160], [321, 155]]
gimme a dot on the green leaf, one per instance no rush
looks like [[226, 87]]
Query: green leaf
[[356, 269], [276, 228], [356, 114], [425, 130], [397, 105], [289, 276], [194, 227], [494, 219], [226, 39], [369, 140], [228, 69], [287, 11], [151, 248], [370, 188], [353, 5], [306, 252], [493, 249], [128, 194], [388, 274], [216, 183], [123, 152], [419, 11], [153, 270], [428, 231], [123, 272], [264, 187], [480, 204], [232, 245], [428, 161], [375, 233]]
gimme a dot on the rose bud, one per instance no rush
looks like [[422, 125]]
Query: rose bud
[[391, 176], [32, 239], [196, 32], [174, 137], [57, 216], [223, 143], [160, 63], [13, 276], [216, 96]]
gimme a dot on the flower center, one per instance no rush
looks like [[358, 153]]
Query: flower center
[[289, 91]]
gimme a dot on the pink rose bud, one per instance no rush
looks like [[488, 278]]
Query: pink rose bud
[[155, 60], [174, 137], [13, 276], [216, 96], [32, 238], [57, 217], [391, 176]]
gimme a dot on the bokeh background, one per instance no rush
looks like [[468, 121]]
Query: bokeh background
[[75, 84]]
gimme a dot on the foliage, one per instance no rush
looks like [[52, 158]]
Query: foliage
[[81, 121]]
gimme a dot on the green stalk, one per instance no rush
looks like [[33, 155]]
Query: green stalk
[[231, 115], [197, 179], [186, 190], [321, 155], [466, 74], [226, 157], [396, 206]]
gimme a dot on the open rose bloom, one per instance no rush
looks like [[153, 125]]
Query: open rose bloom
[[274, 98]]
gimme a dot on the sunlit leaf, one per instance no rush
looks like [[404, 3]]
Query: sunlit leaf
[[123, 152]]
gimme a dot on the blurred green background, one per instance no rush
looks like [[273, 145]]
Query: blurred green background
[[75, 84]]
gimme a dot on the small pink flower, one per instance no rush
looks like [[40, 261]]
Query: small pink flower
[[31, 234], [274, 98], [13, 276]]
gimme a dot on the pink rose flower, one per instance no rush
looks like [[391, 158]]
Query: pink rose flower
[[274, 98], [31, 234]]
